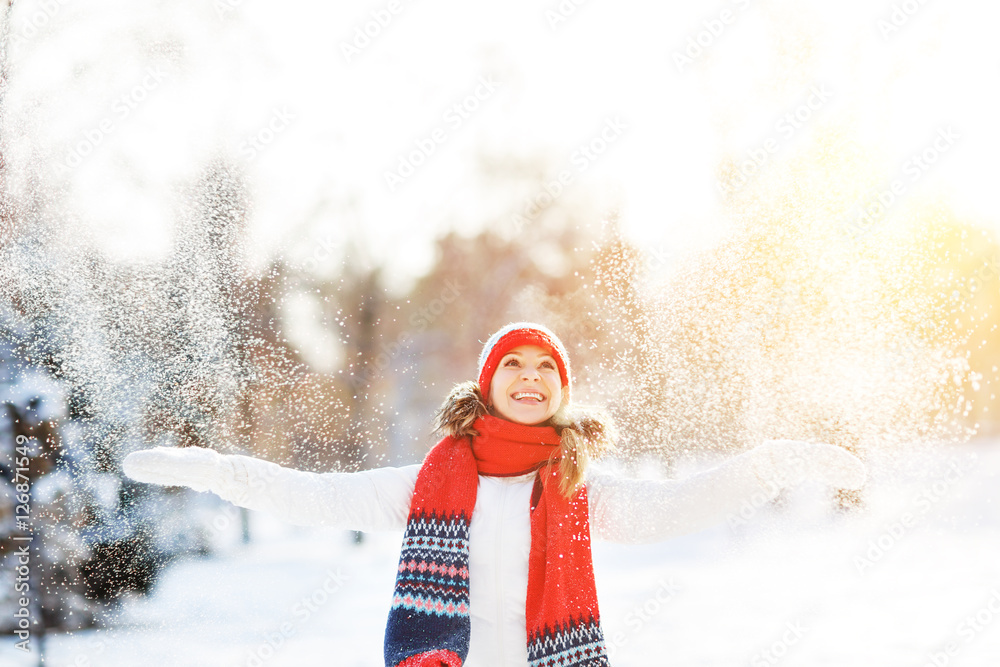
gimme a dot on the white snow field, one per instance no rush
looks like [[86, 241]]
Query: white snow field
[[912, 581]]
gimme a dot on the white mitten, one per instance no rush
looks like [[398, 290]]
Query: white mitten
[[195, 467], [788, 463]]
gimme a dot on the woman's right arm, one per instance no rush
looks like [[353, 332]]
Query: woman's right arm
[[369, 500], [635, 511]]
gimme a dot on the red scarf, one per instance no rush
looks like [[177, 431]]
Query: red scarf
[[429, 622]]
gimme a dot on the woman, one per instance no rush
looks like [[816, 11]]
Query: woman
[[495, 566]]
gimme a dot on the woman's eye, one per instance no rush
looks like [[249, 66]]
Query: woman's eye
[[548, 364], [511, 362]]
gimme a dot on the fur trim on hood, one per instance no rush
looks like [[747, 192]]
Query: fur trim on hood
[[465, 404], [462, 407]]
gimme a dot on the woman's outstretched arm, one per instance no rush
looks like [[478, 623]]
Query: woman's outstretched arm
[[636, 511], [369, 500]]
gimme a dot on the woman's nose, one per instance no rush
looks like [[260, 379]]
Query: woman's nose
[[530, 374]]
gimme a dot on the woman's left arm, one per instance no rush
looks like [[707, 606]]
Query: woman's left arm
[[637, 511]]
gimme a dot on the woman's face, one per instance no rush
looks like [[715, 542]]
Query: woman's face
[[526, 386]]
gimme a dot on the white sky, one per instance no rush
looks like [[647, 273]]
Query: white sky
[[226, 72]]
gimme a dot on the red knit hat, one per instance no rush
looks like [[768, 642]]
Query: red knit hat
[[513, 335]]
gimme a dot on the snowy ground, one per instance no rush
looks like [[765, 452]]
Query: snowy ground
[[914, 581]]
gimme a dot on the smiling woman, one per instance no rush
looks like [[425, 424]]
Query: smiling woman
[[523, 370], [526, 388], [504, 500]]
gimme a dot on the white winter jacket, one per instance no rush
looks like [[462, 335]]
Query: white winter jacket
[[621, 510]]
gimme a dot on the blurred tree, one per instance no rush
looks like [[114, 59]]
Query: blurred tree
[[290, 414], [355, 303]]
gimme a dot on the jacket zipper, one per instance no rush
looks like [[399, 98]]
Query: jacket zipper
[[499, 574]]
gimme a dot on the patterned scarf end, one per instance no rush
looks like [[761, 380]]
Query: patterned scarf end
[[440, 658]]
